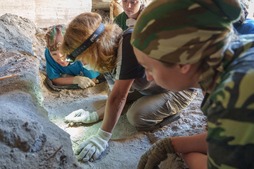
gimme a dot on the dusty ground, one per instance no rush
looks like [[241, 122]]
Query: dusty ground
[[25, 99], [127, 144]]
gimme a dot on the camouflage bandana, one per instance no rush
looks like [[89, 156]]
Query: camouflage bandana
[[54, 37], [186, 32]]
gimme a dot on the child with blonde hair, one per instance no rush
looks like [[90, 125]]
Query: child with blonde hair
[[60, 72]]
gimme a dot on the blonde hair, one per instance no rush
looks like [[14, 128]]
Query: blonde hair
[[101, 55]]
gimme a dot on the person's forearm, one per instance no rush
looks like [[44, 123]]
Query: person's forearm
[[187, 144], [195, 160], [63, 80], [113, 110], [115, 104]]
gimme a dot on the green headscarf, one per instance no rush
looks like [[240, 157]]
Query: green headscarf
[[54, 37], [186, 31]]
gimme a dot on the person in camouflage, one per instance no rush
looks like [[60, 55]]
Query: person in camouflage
[[198, 49]]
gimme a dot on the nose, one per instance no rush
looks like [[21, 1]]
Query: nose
[[60, 55], [149, 77], [127, 5]]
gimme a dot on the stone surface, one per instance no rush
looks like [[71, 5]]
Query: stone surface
[[28, 139], [45, 13]]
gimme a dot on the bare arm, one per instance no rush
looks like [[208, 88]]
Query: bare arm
[[188, 144], [67, 80], [193, 150], [63, 80], [115, 104]]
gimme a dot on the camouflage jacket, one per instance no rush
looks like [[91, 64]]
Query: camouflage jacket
[[230, 111]]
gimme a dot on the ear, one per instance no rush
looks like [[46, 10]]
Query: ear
[[185, 68]]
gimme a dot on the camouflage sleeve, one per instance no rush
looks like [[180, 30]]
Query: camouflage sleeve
[[230, 111]]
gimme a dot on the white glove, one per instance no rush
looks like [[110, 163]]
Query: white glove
[[156, 154], [82, 116], [93, 147], [83, 82], [131, 22]]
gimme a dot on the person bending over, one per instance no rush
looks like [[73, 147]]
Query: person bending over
[[197, 49], [107, 50]]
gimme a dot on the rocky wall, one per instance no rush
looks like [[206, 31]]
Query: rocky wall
[[27, 138], [45, 13]]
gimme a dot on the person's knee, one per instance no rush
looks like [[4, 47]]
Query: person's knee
[[140, 122], [134, 118]]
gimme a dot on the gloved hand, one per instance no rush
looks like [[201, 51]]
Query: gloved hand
[[93, 147], [156, 154], [83, 82], [81, 116]]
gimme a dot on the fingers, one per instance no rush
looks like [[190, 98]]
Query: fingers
[[83, 82], [96, 155], [147, 161], [152, 158], [92, 148], [77, 116], [82, 116], [142, 161], [92, 83], [69, 119], [151, 163], [90, 154], [86, 153], [96, 81], [86, 83], [75, 120], [83, 86], [75, 113], [80, 147]]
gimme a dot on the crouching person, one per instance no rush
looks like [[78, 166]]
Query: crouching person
[[107, 49], [197, 49]]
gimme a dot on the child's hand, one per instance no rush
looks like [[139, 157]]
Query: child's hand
[[83, 82], [96, 81]]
